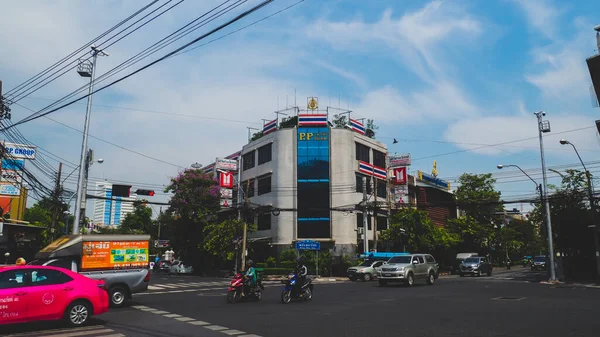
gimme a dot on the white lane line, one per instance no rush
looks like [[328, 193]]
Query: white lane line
[[81, 333], [249, 336], [95, 327], [160, 312], [172, 315], [216, 327], [139, 306], [184, 319], [114, 335], [199, 323], [155, 288], [233, 332]]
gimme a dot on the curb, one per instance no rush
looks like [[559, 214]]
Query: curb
[[580, 285]]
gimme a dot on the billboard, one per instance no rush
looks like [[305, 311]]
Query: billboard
[[114, 255], [399, 160], [401, 195], [424, 177], [10, 189], [20, 151], [10, 176], [13, 164], [226, 164]]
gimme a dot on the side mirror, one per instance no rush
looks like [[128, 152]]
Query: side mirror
[[415, 262]]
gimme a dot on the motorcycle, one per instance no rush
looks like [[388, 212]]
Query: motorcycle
[[293, 290], [237, 288]]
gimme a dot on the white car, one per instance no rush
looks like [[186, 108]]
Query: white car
[[179, 267]]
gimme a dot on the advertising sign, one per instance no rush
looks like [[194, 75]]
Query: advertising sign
[[401, 195], [433, 180], [114, 255], [226, 202], [398, 160], [10, 176], [10, 189], [226, 164], [20, 151], [13, 164], [308, 245], [400, 176], [226, 193], [226, 180]]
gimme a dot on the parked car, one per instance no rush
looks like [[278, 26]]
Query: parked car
[[409, 268], [460, 257], [163, 267], [40, 293], [539, 263], [364, 271], [179, 267], [476, 266]]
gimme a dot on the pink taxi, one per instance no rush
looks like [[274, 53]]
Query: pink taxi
[[38, 293]]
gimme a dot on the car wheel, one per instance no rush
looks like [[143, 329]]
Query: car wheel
[[117, 296], [78, 313], [367, 277], [410, 280], [352, 279], [431, 279], [382, 283]]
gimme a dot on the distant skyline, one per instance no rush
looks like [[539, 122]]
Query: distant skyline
[[455, 82]]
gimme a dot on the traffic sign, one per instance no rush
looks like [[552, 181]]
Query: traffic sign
[[308, 245]]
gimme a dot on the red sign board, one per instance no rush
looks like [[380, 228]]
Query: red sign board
[[226, 180], [400, 175]]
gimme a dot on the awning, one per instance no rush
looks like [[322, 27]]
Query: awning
[[261, 239]]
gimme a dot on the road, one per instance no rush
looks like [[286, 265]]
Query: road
[[510, 303]]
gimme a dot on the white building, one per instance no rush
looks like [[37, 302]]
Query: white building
[[311, 174], [111, 212]]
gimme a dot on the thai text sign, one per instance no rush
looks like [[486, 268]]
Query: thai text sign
[[433, 180], [226, 164], [114, 255], [399, 160], [308, 245], [19, 151]]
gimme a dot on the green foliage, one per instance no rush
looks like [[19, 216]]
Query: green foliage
[[477, 196], [271, 262], [276, 271], [261, 265], [288, 264], [288, 122], [288, 255], [414, 229], [218, 237], [370, 128], [473, 235], [256, 136], [40, 214], [137, 222], [348, 261], [340, 121]]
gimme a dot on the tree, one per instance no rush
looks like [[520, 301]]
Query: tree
[[139, 221], [340, 121], [473, 236], [371, 128], [256, 136], [40, 214], [478, 198], [288, 122], [219, 237], [194, 204]]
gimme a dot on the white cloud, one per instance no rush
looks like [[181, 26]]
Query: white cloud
[[541, 15]]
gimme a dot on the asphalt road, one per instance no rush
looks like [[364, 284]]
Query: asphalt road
[[510, 303]]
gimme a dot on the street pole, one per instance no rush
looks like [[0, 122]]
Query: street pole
[[159, 217], [365, 215], [245, 227], [375, 209], [541, 129], [84, 147], [57, 203]]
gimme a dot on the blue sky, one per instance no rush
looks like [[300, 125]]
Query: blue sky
[[446, 78]]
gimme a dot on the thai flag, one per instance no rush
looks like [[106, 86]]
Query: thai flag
[[379, 172], [209, 168], [357, 126], [364, 167], [270, 127], [312, 120], [233, 156]]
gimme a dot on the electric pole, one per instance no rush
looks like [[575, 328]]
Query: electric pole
[[57, 203], [375, 182], [245, 226], [365, 215]]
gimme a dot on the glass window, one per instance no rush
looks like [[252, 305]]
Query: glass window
[[359, 221], [12, 279], [44, 277], [264, 154], [248, 187], [420, 259], [399, 259], [382, 223], [264, 185], [362, 153], [381, 188], [359, 187], [429, 259], [378, 264], [264, 222], [65, 264], [248, 160], [378, 158], [314, 229]]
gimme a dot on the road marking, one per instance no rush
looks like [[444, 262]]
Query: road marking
[[189, 320], [160, 312], [80, 333], [115, 335], [24, 334]]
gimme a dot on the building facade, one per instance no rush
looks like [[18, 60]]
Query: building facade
[[111, 212]]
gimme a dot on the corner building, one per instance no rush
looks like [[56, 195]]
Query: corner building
[[311, 173]]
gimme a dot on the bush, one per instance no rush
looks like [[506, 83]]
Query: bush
[[288, 255], [276, 271], [261, 265], [271, 262], [288, 265]]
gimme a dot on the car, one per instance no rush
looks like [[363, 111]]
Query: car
[[409, 268], [364, 271], [460, 257], [179, 267], [41, 293], [476, 266], [539, 263]]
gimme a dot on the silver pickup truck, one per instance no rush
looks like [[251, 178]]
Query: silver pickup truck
[[99, 257], [407, 269]]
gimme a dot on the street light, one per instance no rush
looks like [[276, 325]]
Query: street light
[[543, 127], [592, 205]]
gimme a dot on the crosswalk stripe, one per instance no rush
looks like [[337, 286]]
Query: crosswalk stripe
[[54, 331], [233, 332], [80, 333], [115, 335]]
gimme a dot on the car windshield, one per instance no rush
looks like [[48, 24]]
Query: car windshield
[[36, 263], [366, 264], [400, 259], [472, 260], [539, 259]]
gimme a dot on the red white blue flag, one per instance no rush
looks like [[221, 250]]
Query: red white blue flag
[[364, 167], [312, 120], [379, 172], [357, 126], [270, 127]]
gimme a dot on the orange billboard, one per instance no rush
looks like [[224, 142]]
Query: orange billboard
[[114, 255]]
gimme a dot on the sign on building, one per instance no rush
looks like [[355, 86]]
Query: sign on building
[[226, 180], [226, 193], [430, 179], [10, 189], [401, 195], [400, 176], [19, 151], [398, 160], [10, 176], [308, 245], [226, 164], [226, 203], [13, 164]]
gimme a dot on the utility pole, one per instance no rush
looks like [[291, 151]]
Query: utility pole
[[365, 215], [159, 217], [376, 183], [245, 226], [85, 71], [56, 214], [545, 127]]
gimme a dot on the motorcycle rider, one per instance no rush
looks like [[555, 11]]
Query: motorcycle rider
[[301, 271], [250, 277]]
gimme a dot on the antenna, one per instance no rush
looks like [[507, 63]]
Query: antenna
[[295, 104]]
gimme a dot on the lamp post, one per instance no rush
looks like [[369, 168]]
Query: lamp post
[[592, 206], [85, 69], [543, 127]]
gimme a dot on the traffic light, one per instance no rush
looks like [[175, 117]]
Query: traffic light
[[145, 192], [121, 190]]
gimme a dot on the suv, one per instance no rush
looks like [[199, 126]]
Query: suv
[[365, 270], [539, 263], [475, 266], [409, 268]]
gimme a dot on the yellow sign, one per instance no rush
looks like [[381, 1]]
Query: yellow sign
[[434, 172], [313, 104], [312, 136]]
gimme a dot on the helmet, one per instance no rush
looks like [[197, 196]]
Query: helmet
[[300, 261], [250, 263], [21, 262]]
